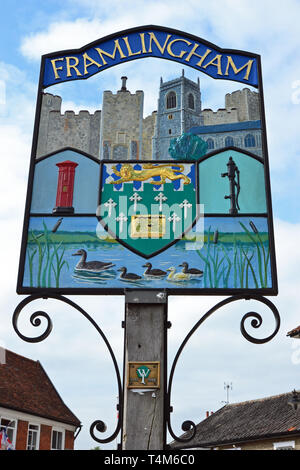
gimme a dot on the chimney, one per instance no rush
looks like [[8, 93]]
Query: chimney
[[123, 83]]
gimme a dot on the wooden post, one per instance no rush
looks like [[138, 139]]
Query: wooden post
[[145, 341]]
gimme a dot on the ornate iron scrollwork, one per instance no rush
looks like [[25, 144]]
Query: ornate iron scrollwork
[[189, 426], [35, 320]]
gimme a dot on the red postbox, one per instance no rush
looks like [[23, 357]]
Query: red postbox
[[65, 187]]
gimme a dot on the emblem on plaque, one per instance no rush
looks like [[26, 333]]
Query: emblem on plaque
[[143, 375]]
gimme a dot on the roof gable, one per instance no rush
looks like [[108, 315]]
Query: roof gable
[[25, 386]]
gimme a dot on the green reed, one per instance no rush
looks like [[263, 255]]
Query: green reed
[[31, 255], [49, 261], [215, 267], [263, 254], [219, 261]]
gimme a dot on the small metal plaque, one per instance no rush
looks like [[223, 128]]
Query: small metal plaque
[[143, 375], [148, 226]]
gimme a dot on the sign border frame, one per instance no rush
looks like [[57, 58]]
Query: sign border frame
[[272, 291]]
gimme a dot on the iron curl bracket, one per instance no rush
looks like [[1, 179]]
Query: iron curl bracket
[[36, 321], [189, 427]]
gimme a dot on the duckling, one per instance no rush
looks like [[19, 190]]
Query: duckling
[[173, 276], [153, 273], [193, 272], [128, 276], [90, 266]]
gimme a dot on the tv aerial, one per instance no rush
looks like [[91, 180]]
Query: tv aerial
[[227, 387]]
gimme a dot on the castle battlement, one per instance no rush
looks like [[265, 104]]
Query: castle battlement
[[59, 130], [240, 105], [221, 116]]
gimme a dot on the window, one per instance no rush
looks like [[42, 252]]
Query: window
[[210, 144], [121, 137], [120, 152], [171, 100], [10, 427], [32, 439], [191, 101], [106, 149], [57, 440], [249, 140], [229, 142], [284, 445], [133, 149]]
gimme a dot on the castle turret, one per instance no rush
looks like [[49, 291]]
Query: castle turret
[[121, 134]]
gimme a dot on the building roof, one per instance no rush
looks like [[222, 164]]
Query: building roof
[[295, 333], [25, 387], [230, 127], [264, 418]]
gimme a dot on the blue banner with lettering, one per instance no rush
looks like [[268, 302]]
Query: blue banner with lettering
[[155, 42]]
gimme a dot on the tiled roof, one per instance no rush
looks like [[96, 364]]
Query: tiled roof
[[25, 386], [229, 127], [295, 333], [242, 422]]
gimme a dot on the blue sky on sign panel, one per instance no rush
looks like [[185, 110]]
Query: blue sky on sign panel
[[74, 358]]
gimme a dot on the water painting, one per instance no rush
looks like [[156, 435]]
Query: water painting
[[218, 253]]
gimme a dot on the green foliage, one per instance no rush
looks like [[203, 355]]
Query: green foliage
[[187, 147]]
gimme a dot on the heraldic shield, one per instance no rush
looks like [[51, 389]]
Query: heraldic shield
[[148, 206]]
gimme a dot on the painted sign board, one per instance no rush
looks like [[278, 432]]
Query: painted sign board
[[179, 200], [143, 375]]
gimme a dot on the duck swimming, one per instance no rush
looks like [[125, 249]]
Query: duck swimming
[[193, 272], [153, 273], [125, 276], [90, 266], [173, 276]]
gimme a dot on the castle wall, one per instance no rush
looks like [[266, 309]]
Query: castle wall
[[246, 102], [80, 131], [122, 125], [120, 132], [222, 116], [241, 105]]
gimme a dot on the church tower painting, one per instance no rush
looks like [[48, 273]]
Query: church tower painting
[[179, 109]]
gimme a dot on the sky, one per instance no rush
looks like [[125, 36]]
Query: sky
[[74, 355]]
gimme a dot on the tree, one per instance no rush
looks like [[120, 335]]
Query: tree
[[187, 147]]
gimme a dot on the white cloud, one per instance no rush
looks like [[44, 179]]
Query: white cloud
[[67, 35]]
